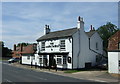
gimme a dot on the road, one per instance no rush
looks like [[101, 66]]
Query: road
[[15, 74]]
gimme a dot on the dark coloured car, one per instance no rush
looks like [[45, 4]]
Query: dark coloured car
[[12, 60]]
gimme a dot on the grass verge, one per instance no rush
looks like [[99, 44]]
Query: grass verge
[[71, 71]]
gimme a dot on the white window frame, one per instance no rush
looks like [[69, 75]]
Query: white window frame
[[96, 45], [43, 46], [41, 61], [59, 57], [64, 59], [62, 45], [28, 57]]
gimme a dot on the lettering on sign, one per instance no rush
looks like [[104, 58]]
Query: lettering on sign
[[52, 45]]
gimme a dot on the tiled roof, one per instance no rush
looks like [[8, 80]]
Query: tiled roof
[[90, 33], [63, 33], [58, 34], [113, 41], [29, 49]]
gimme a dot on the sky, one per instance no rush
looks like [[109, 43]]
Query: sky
[[25, 21]]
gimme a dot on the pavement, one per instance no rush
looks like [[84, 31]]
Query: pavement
[[98, 76]]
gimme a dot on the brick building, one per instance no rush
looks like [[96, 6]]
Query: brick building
[[114, 53], [18, 51], [114, 42]]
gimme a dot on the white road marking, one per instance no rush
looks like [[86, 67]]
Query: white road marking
[[6, 63], [37, 77], [97, 80], [8, 80]]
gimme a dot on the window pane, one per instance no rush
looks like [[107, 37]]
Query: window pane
[[64, 59], [42, 46], [28, 57], [96, 45], [59, 60], [40, 60], [62, 44]]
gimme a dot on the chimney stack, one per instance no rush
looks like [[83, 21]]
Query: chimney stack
[[80, 23], [14, 47], [46, 29], [91, 28], [21, 47]]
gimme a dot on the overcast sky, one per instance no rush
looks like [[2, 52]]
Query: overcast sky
[[24, 22]]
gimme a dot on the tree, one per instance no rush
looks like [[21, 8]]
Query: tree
[[24, 44], [106, 31], [5, 51]]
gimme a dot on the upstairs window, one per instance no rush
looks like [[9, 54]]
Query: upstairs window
[[42, 46], [62, 45], [96, 45], [119, 46]]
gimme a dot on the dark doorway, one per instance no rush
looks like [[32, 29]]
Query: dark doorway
[[52, 61], [88, 65]]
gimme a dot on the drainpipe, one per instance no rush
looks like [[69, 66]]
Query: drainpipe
[[79, 50]]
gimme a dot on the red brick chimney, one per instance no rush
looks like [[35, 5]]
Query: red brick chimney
[[91, 28], [21, 47], [14, 47]]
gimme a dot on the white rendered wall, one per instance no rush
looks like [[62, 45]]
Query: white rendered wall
[[113, 66], [68, 48], [95, 38], [84, 56], [57, 42], [75, 50], [25, 60]]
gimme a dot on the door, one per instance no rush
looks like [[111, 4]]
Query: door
[[52, 61]]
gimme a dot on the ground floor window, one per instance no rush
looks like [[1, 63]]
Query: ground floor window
[[64, 60], [59, 59], [33, 57], [45, 60], [40, 60], [28, 57]]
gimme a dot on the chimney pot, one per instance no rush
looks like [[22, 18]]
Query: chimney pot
[[79, 18], [80, 23], [46, 29], [91, 27]]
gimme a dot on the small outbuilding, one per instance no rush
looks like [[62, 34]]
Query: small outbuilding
[[114, 53]]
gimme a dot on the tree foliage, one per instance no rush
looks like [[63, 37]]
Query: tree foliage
[[23, 44], [106, 31], [5, 51]]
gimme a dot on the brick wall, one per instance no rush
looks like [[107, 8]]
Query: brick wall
[[113, 41]]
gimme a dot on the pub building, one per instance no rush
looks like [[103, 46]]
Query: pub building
[[70, 48]]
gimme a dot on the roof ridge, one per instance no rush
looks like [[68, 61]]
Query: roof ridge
[[64, 30], [58, 34]]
